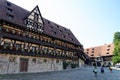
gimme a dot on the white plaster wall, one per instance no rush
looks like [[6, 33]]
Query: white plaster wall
[[38, 67], [41, 66], [13, 67], [3, 63], [58, 66], [81, 62], [7, 66]]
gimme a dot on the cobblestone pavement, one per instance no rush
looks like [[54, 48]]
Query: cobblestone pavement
[[75, 74]]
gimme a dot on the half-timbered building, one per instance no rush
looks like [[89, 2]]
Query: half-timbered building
[[31, 43]]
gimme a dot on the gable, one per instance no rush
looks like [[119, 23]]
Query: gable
[[34, 20], [24, 18]]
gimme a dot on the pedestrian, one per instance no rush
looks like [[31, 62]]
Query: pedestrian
[[102, 69], [95, 71], [110, 69]]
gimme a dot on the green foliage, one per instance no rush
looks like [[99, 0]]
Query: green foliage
[[74, 65], [65, 64], [116, 57]]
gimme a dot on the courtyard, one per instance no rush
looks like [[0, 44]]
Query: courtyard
[[83, 73]]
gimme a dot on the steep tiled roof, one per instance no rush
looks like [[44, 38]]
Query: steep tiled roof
[[50, 28]]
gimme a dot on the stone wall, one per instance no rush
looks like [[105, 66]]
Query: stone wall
[[11, 64], [81, 63], [44, 64]]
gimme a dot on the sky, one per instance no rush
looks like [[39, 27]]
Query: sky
[[93, 22]]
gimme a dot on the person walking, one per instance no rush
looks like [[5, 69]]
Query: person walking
[[95, 71], [110, 69], [102, 69]]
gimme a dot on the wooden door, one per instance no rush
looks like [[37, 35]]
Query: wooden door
[[23, 65]]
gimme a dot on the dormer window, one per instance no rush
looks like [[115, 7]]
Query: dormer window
[[57, 26], [54, 32], [63, 36], [9, 4], [60, 30], [48, 22], [9, 10], [10, 16], [71, 39], [68, 34], [51, 26], [65, 29], [36, 17]]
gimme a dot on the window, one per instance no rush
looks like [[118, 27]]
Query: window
[[35, 25], [71, 39], [12, 59], [45, 60], [51, 26], [60, 30], [29, 35], [9, 4], [63, 36], [33, 49], [68, 34], [34, 60], [36, 17], [108, 45], [6, 45], [65, 29], [10, 16], [48, 22], [39, 61], [57, 26], [23, 34], [9, 10], [54, 32], [19, 33], [92, 55], [18, 46], [13, 31], [87, 49], [107, 53], [39, 26], [57, 61]]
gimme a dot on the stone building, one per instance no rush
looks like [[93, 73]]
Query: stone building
[[31, 43], [100, 55]]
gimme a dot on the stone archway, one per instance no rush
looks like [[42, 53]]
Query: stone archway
[[98, 64], [94, 64]]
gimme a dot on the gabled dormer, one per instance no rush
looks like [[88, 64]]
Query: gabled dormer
[[34, 20]]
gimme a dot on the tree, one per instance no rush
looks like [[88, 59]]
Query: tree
[[116, 52]]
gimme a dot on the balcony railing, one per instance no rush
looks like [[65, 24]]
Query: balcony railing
[[23, 37], [6, 47]]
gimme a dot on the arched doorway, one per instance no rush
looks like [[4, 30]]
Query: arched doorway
[[94, 64], [98, 64]]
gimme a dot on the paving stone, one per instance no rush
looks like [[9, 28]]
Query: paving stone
[[84, 73]]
